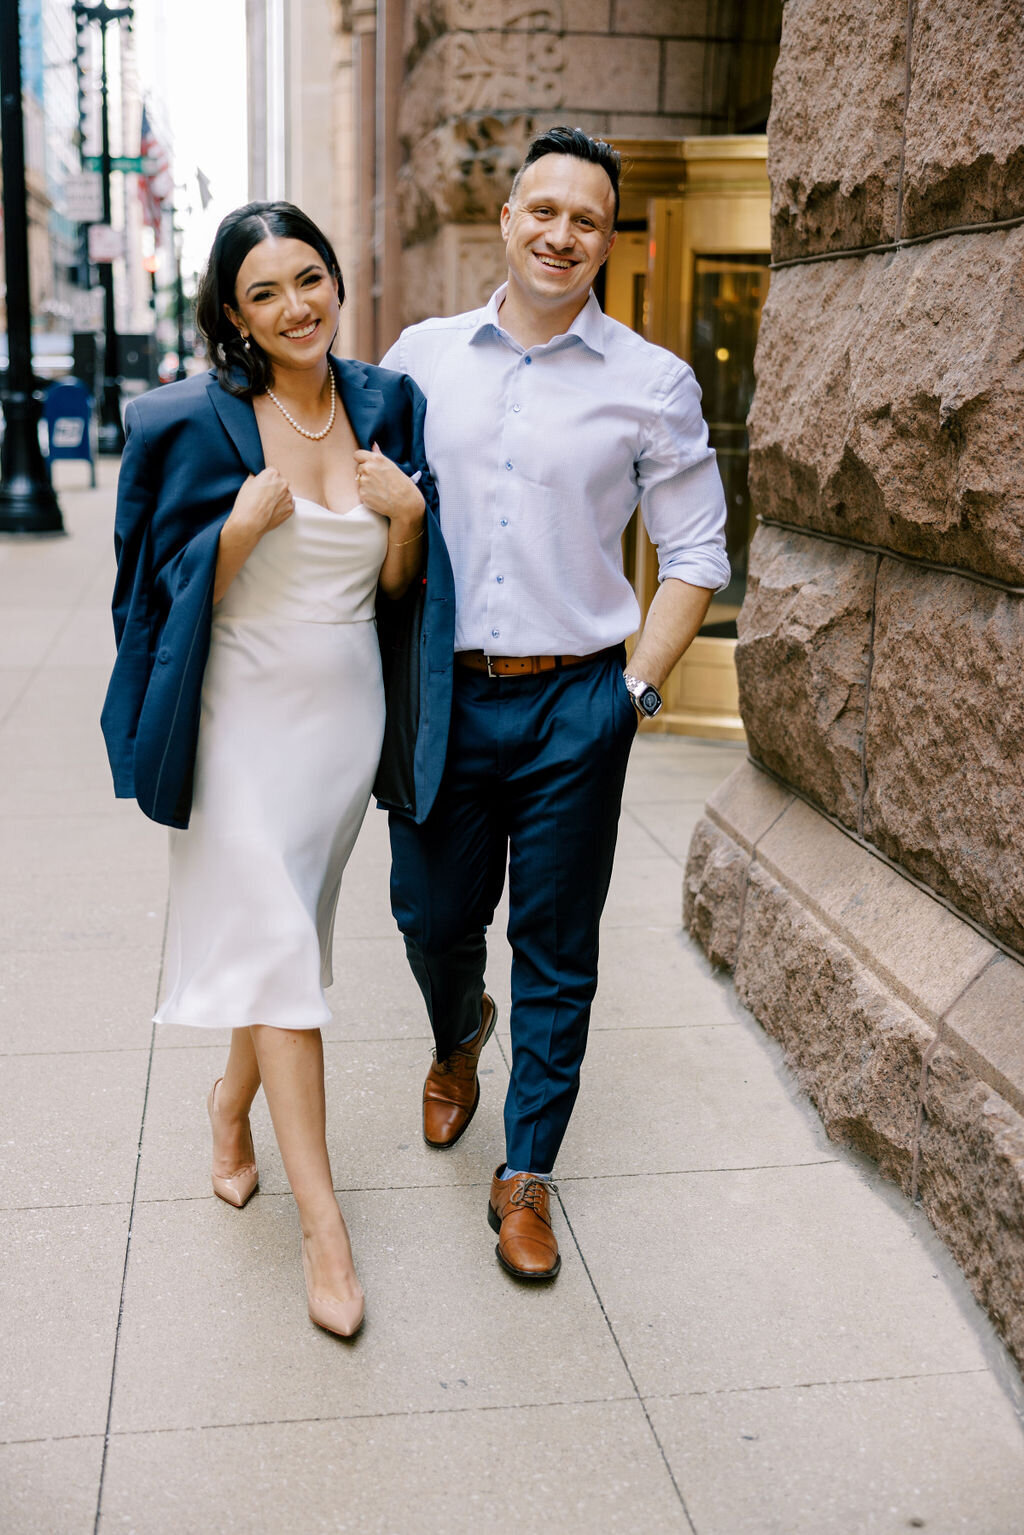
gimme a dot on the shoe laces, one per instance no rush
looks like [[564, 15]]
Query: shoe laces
[[459, 1063], [530, 1194]]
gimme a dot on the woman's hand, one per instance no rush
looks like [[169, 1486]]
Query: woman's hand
[[386, 490], [263, 502]]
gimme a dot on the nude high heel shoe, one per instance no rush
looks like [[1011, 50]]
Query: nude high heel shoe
[[341, 1317], [241, 1186]]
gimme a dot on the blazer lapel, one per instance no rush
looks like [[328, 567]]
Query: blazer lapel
[[239, 421], [364, 406]]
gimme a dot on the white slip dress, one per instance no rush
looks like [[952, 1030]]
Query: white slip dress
[[290, 735]]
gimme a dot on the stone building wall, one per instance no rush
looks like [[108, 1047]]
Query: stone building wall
[[864, 874], [481, 76]]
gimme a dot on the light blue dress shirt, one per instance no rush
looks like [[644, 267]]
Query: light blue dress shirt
[[540, 455]]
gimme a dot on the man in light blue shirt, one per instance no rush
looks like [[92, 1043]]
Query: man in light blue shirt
[[546, 423]]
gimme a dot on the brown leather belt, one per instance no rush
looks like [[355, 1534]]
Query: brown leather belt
[[518, 666]]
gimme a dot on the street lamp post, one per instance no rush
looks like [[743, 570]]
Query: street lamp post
[[110, 437], [27, 501], [179, 301]]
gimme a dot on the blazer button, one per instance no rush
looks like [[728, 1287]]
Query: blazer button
[[183, 582], [163, 654]]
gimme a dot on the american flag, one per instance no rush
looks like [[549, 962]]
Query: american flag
[[156, 183]]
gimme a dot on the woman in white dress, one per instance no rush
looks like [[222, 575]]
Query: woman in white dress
[[291, 712]]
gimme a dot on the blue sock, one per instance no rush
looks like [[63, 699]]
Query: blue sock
[[513, 1172], [474, 1031]]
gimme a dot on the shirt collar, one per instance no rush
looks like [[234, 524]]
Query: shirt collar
[[587, 327]]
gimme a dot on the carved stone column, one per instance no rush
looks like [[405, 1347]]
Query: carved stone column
[[353, 129], [481, 77]]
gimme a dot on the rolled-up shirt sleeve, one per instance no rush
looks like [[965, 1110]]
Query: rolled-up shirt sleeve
[[681, 497]]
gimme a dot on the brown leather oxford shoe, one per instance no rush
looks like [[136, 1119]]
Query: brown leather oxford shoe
[[520, 1212], [452, 1091]]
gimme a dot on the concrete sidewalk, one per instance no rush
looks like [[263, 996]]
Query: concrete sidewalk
[[750, 1334]]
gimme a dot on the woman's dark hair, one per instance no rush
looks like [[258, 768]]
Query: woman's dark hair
[[239, 371], [574, 142]]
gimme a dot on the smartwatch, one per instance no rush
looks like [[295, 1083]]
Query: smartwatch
[[645, 696]]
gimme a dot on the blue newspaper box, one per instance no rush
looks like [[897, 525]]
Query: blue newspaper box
[[67, 411]]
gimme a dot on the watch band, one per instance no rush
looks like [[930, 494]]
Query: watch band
[[646, 698]]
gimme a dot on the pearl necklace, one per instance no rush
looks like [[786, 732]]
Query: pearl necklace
[[313, 436]]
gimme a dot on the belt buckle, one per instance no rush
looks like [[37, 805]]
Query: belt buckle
[[490, 671]]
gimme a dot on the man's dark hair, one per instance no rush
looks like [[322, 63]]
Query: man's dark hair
[[572, 141], [240, 371]]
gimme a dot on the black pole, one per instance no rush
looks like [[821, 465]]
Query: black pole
[[110, 437], [180, 371], [27, 501]]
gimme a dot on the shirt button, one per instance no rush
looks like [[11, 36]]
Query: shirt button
[[527, 360], [495, 634], [508, 463], [517, 409], [504, 522], [499, 579]]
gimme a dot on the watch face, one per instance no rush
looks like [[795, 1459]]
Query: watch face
[[650, 701]]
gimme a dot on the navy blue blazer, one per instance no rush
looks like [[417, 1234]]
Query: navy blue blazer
[[190, 447]]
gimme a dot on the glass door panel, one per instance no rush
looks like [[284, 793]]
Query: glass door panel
[[689, 270], [728, 295]]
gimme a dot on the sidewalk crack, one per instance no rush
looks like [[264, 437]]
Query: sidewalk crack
[[128, 1239], [625, 1365]]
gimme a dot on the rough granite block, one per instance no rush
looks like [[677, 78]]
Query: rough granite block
[[713, 892], [856, 1049], [836, 124], [802, 663], [971, 1183], [964, 166], [945, 741], [890, 392]]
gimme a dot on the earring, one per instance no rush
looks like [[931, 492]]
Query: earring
[[247, 343]]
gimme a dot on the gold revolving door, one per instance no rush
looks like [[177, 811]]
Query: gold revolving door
[[689, 270]]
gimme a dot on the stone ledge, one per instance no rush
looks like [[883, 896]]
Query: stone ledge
[[902, 1024], [919, 950], [986, 1027], [747, 803]]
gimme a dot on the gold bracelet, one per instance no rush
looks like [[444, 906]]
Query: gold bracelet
[[408, 540]]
